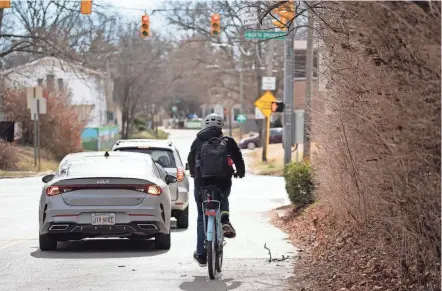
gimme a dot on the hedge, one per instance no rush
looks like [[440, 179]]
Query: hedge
[[299, 183]]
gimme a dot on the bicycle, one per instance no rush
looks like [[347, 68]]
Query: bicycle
[[211, 205], [213, 229]]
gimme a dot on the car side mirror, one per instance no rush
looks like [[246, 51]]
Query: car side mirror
[[187, 166], [48, 178], [170, 179]]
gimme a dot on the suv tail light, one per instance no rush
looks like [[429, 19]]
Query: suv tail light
[[180, 174]]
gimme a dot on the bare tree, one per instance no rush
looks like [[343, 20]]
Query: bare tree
[[53, 28], [139, 71]]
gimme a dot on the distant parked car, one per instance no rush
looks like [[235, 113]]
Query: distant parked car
[[254, 140]]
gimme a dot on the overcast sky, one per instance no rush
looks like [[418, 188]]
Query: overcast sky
[[134, 9]]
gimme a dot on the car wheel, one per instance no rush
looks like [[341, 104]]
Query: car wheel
[[183, 218], [47, 242], [162, 241], [251, 145]]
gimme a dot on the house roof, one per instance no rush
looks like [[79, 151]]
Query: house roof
[[52, 61], [85, 84]]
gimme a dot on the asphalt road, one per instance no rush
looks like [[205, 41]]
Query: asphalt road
[[110, 264]]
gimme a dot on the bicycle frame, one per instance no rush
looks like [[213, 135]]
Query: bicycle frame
[[212, 214]]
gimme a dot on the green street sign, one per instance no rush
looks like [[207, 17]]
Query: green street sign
[[264, 34], [174, 109], [241, 118]]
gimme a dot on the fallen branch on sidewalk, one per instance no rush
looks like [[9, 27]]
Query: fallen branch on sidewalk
[[274, 260]]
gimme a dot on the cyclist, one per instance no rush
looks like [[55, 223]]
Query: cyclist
[[212, 127]]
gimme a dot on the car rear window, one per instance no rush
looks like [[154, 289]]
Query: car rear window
[[111, 167], [164, 157]]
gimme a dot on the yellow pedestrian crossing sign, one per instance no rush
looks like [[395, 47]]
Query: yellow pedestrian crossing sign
[[265, 103]]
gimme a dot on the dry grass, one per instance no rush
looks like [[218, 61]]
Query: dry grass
[[25, 163], [275, 160]]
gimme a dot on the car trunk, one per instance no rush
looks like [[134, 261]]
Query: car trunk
[[103, 191]]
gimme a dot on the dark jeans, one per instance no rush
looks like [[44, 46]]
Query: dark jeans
[[201, 236]]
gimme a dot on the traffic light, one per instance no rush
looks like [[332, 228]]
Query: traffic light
[[5, 3], [86, 7], [278, 106], [145, 26], [281, 23], [216, 24], [286, 12]]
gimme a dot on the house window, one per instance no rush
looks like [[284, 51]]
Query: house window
[[300, 64], [110, 116], [236, 112]]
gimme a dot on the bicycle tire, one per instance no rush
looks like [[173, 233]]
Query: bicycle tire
[[219, 257], [211, 253]]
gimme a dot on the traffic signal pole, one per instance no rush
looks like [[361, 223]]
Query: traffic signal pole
[[288, 96]]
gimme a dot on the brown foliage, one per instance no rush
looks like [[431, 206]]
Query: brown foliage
[[60, 128], [8, 156], [379, 162]]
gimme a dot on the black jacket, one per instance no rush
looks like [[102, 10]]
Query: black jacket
[[203, 136]]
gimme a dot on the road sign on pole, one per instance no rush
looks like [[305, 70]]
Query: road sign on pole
[[241, 118], [258, 114], [265, 103], [33, 92], [249, 17], [264, 34], [269, 83]]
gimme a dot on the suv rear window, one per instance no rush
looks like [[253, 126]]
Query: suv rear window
[[164, 157]]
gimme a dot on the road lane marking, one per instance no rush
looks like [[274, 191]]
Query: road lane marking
[[15, 241]]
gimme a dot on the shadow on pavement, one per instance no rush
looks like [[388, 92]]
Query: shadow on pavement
[[101, 248], [204, 283]]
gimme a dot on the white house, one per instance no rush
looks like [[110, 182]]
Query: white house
[[91, 90]]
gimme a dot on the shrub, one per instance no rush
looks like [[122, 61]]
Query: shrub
[[150, 134], [8, 156], [299, 183], [60, 128]]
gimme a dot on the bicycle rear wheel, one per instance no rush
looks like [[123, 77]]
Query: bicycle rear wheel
[[211, 251], [219, 257]]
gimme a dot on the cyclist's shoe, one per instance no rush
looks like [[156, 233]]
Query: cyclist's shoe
[[201, 260], [229, 231]]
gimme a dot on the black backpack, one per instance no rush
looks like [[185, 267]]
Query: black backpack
[[214, 159]]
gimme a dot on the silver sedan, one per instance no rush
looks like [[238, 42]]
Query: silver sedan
[[105, 195]]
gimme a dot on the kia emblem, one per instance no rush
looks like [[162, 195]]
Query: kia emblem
[[103, 182]]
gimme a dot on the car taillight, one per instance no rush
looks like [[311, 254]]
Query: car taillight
[[53, 190], [180, 174], [152, 190]]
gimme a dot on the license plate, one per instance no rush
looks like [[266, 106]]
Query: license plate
[[103, 218]]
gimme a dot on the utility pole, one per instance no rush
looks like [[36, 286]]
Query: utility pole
[[266, 129], [308, 91], [241, 82], [288, 96]]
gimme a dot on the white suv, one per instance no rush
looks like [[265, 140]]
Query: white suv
[[165, 154]]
